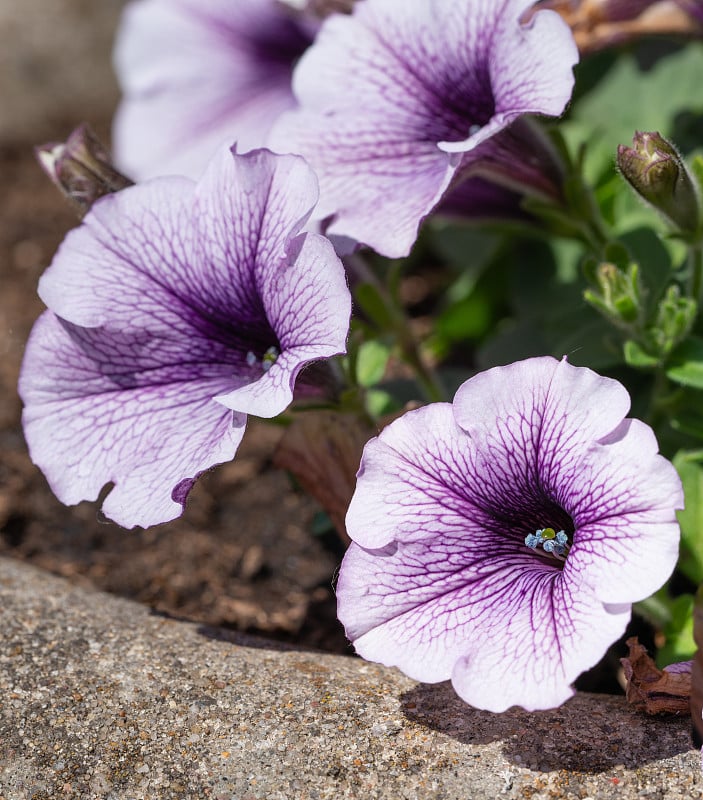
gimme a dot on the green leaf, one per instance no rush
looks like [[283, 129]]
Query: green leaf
[[689, 422], [379, 403], [653, 99], [469, 318], [697, 170], [374, 305], [464, 247], [688, 465], [653, 258], [679, 645], [636, 357], [686, 364], [371, 362]]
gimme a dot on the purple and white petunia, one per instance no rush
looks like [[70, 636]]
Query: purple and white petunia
[[500, 540], [199, 73], [396, 99], [176, 309]]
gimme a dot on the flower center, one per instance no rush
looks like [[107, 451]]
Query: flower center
[[555, 543], [269, 358]]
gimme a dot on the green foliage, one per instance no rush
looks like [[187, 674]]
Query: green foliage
[[690, 469], [679, 644], [371, 362], [686, 364], [594, 274], [632, 99]]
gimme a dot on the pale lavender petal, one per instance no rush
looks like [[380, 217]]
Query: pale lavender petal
[[416, 76], [131, 255], [249, 217], [167, 300], [200, 73], [309, 306], [626, 540], [402, 481], [94, 414], [443, 579], [506, 631], [535, 417], [544, 423]]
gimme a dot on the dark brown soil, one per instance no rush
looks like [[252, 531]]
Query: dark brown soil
[[243, 554]]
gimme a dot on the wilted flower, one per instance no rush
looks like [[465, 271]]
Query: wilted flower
[[396, 99], [500, 540], [200, 73], [81, 168], [176, 309], [597, 24]]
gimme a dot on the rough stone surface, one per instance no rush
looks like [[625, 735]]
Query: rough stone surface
[[100, 698]]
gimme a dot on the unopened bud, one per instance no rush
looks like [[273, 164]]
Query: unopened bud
[[656, 171], [81, 168], [674, 320], [620, 296]]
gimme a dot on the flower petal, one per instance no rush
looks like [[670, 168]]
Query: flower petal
[[410, 484], [172, 295], [530, 421], [124, 243], [88, 422], [199, 74], [507, 633], [416, 74], [627, 535], [442, 580], [309, 306]]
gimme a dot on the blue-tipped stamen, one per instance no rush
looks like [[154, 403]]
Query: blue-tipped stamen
[[269, 358], [266, 362], [556, 543]]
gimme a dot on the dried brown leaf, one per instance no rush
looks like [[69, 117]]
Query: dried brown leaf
[[651, 689]]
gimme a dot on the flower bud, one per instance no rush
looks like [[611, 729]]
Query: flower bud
[[655, 170], [81, 168], [620, 296], [674, 320]]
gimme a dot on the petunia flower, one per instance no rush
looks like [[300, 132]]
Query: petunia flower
[[499, 541], [175, 310], [199, 73], [396, 99]]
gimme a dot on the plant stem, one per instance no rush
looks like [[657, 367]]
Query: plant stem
[[426, 377]]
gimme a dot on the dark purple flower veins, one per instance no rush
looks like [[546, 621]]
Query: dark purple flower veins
[[467, 105], [456, 108], [282, 44], [219, 344], [511, 516], [276, 46], [505, 507]]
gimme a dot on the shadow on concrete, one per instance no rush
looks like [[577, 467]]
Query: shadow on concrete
[[590, 733]]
